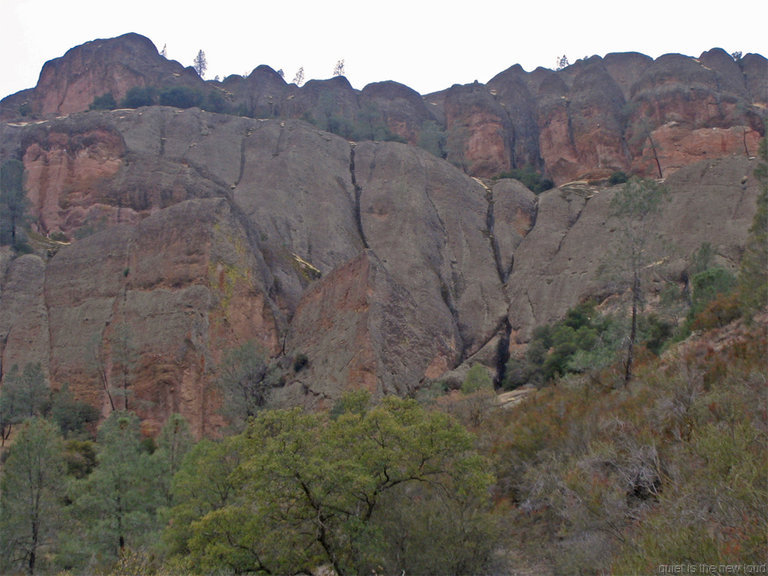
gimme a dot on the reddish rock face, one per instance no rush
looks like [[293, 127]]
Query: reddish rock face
[[585, 121], [381, 264], [356, 309], [70, 83], [65, 176], [477, 131], [676, 146]]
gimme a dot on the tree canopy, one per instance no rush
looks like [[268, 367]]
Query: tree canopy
[[310, 489]]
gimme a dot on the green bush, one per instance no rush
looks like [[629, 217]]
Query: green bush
[[719, 312], [530, 177], [708, 286], [215, 102], [104, 102], [139, 96], [656, 332], [618, 177], [181, 97], [581, 341], [478, 378]]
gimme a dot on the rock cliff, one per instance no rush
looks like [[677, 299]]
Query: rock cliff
[[623, 112], [166, 237]]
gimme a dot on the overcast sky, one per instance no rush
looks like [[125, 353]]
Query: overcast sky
[[428, 45]]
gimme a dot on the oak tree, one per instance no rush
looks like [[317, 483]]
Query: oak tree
[[316, 489]]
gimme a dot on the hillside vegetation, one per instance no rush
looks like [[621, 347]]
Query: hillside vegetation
[[590, 474], [251, 327], [583, 477]]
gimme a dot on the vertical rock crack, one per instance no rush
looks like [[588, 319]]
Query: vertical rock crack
[[358, 190]]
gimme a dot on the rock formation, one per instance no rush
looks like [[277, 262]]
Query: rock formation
[[624, 112], [165, 237]]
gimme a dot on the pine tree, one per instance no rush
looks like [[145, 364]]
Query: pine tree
[[13, 201], [200, 64], [299, 78], [31, 503], [117, 502], [753, 274], [634, 205], [338, 69]]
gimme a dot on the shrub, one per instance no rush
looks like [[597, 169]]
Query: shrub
[[719, 312], [300, 362], [215, 102], [477, 378], [618, 177], [582, 341], [714, 302], [656, 332], [139, 96], [104, 102], [181, 97], [532, 179]]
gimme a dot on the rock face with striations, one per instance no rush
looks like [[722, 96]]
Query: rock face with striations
[[193, 233], [622, 112], [378, 264]]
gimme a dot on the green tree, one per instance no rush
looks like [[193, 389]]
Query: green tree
[[299, 78], [24, 395], [313, 490], [70, 414], [245, 380], [181, 97], [139, 96], [634, 205], [13, 201], [200, 64], [117, 502], [338, 69], [753, 273], [205, 483], [478, 378], [174, 442], [530, 177], [708, 285], [104, 102], [31, 501]]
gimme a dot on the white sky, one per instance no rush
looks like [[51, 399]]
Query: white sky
[[428, 45]]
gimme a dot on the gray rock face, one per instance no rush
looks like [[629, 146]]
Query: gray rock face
[[379, 264], [574, 249], [224, 229], [599, 115]]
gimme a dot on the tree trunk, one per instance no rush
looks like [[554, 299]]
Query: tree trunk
[[655, 155], [633, 329], [33, 550]]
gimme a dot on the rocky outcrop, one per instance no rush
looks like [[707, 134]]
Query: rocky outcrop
[[477, 131], [682, 110], [575, 249], [70, 83], [401, 109], [166, 237], [138, 315], [623, 112], [191, 233]]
